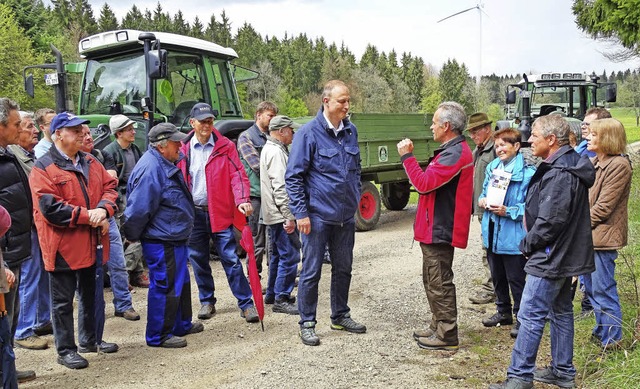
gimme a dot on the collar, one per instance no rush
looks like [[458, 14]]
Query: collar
[[558, 153], [604, 162], [195, 143]]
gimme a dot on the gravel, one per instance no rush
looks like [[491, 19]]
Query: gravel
[[386, 294]]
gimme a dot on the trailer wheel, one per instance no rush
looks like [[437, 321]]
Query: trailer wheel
[[395, 195], [368, 211]]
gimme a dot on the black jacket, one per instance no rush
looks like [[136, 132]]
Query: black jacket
[[558, 241], [15, 196]]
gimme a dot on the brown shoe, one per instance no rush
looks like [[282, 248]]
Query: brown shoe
[[250, 315], [129, 314], [140, 280], [33, 342], [435, 343], [423, 333]]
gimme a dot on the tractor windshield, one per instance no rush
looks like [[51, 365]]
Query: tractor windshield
[[118, 80]]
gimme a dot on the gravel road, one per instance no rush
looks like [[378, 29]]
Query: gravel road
[[386, 294]]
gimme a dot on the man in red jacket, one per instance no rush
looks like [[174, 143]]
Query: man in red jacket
[[442, 219], [220, 189], [73, 197]]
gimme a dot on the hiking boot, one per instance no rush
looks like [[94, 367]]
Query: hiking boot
[[140, 280], [196, 327], [423, 333], [434, 343], [174, 342], [512, 383], [285, 306], [547, 376], [46, 329], [346, 323], [514, 330], [503, 319], [25, 375], [206, 311], [33, 342], [129, 314], [269, 299], [250, 315], [483, 298], [308, 335]]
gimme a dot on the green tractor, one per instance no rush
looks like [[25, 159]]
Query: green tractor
[[566, 94], [151, 77]]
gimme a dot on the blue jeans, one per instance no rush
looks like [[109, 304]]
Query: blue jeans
[[340, 240], [602, 289], [169, 299], [283, 263], [542, 299], [35, 307], [117, 270], [225, 244]]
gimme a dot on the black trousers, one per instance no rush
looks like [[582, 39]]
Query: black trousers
[[12, 301], [63, 287]]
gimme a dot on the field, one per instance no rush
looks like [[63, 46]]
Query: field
[[628, 118]]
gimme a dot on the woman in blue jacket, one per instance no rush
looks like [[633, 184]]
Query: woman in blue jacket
[[502, 225]]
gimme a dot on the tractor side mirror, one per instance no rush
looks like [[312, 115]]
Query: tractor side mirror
[[510, 97]]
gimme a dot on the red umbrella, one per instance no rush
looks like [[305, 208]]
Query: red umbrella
[[254, 278]]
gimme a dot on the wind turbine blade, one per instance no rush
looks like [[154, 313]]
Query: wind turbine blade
[[482, 10], [456, 14]]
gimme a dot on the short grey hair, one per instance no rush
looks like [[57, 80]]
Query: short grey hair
[[160, 143], [453, 113], [6, 106], [27, 115], [553, 124], [328, 88]]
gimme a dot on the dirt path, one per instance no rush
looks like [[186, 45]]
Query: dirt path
[[386, 294]]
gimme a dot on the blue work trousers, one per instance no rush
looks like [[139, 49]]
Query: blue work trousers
[[35, 307], [225, 245], [544, 299], [602, 289], [169, 300], [283, 263], [117, 270], [340, 240]]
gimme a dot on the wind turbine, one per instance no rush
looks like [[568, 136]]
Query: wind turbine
[[479, 6]]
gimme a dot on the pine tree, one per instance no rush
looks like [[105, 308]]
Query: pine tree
[[107, 20]]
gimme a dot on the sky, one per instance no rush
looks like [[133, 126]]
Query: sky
[[517, 36]]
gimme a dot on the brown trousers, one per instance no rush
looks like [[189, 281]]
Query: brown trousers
[[437, 276]]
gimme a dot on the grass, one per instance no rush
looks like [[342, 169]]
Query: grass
[[620, 369], [628, 118]]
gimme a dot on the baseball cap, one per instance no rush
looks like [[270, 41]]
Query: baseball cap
[[164, 131], [281, 121], [118, 123], [66, 119], [202, 111]]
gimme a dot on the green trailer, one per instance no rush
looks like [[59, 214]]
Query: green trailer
[[378, 135]]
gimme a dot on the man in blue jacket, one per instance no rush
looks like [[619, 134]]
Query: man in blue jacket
[[160, 214], [558, 246], [323, 184]]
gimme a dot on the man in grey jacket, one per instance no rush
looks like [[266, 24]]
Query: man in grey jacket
[[284, 258]]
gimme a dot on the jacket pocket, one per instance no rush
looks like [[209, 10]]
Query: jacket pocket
[[327, 161], [353, 157]]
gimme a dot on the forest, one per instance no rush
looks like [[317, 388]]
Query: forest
[[292, 68]]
